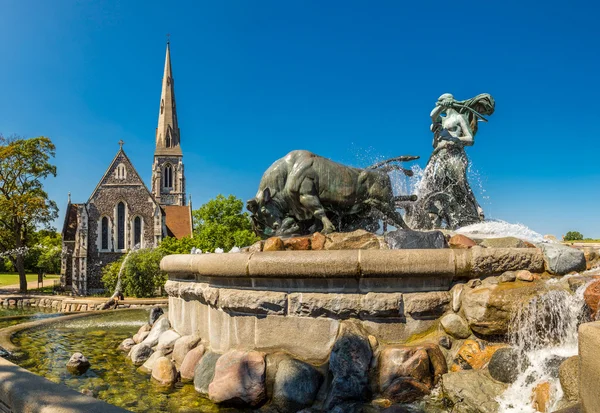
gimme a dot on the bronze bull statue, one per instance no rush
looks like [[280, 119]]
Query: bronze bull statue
[[302, 193]]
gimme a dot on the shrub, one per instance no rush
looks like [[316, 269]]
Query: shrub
[[573, 236], [141, 275]]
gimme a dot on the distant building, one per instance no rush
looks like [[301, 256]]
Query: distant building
[[121, 212]]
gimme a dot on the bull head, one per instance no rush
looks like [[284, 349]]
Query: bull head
[[266, 216]]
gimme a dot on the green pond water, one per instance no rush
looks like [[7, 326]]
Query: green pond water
[[111, 377]]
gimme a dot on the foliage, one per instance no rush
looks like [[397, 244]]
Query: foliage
[[24, 205], [141, 275], [171, 245], [573, 236], [220, 223]]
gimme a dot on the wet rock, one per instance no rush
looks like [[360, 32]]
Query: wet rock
[[560, 259], [472, 391], [445, 342], [149, 364], [155, 313], [167, 340], [455, 325], [426, 305], [407, 239], [297, 244], [504, 242], [506, 364], [190, 361], [524, 275], [349, 366], [457, 296], [273, 244], [541, 397], [140, 353], [296, 385], [182, 346], [474, 355], [488, 309], [356, 240], [592, 297], [459, 241], [568, 374], [160, 326], [139, 337], [239, 378], [552, 365], [257, 246], [205, 372], [127, 344], [142, 333], [78, 364], [507, 276], [317, 241], [407, 373], [164, 371]]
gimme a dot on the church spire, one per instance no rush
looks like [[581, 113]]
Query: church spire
[[167, 132]]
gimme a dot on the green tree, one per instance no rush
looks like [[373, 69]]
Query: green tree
[[141, 275], [573, 236], [24, 205], [221, 223]]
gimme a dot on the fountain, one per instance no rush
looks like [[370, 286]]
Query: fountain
[[328, 314]]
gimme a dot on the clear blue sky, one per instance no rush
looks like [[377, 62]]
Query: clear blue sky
[[352, 81]]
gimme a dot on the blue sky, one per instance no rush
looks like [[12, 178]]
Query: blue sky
[[352, 81]]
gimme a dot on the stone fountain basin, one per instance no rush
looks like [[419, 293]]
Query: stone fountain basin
[[294, 301]]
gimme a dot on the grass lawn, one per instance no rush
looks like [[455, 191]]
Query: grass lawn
[[13, 278]]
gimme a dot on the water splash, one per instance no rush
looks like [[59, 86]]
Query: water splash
[[499, 228], [545, 331]]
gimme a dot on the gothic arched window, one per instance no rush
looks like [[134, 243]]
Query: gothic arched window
[[168, 176], [137, 231], [104, 229], [168, 140], [121, 226]]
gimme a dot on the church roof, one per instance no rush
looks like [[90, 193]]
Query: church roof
[[178, 220], [70, 223]]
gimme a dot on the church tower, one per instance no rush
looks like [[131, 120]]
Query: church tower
[[168, 179]]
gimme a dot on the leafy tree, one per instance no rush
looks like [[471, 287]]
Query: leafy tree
[[50, 247], [24, 205], [141, 275], [220, 223], [171, 245], [573, 236]]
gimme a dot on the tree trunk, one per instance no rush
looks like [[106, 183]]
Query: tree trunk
[[20, 259]]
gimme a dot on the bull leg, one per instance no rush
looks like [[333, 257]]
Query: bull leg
[[309, 198], [394, 216]]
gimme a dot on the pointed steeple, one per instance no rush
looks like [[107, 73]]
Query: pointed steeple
[[167, 132]]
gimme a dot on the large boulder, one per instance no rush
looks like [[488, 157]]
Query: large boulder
[[160, 326], [78, 364], [402, 239], [356, 240], [474, 355], [506, 364], [140, 353], [460, 241], [142, 333], [167, 340], [190, 361], [560, 259], [349, 366], [182, 346], [455, 325], [205, 372], [127, 344], [239, 378], [407, 373], [149, 364], [568, 373], [472, 391], [489, 308], [155, 313], [592, 297], [296, 385], [164, 371]]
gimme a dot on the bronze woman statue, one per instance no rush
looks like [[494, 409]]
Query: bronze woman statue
[[445, 197]]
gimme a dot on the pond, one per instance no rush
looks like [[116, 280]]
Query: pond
[[112, 377]]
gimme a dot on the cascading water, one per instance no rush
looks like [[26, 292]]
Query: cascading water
[[499, 228], [544, 331]]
